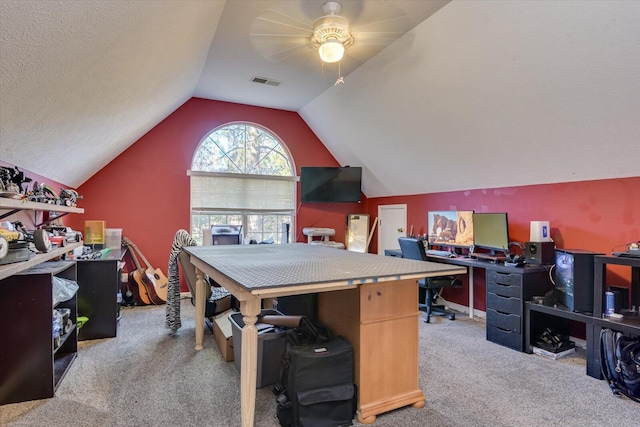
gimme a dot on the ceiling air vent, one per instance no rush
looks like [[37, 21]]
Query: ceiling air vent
[[265, 81]]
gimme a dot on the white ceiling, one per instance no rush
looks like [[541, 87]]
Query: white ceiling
[[474, 95]]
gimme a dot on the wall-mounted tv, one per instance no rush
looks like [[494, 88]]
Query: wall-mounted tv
[[330, 184]]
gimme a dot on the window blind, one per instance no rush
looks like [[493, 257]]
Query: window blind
[[211, 191]]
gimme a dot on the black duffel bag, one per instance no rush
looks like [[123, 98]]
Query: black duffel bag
[[620, 362]]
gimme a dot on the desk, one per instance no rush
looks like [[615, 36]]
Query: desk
[[507, 288], [371, 292]]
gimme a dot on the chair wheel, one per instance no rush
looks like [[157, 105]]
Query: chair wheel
[[452, 316]]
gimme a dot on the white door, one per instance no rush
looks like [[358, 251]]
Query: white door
[[392, 223]]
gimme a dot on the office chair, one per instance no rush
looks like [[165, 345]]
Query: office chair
[[413, 248]]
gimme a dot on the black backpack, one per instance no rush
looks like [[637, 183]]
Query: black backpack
[[316, 386], [620, 361]]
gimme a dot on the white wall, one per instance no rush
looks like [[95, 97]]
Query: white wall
[[485, 93]]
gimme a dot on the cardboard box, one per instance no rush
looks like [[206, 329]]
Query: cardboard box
[[223, 334]]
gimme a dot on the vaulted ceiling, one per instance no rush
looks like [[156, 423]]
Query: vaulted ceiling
[[437, 95]]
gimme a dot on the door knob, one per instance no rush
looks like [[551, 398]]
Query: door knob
[[400, 230]]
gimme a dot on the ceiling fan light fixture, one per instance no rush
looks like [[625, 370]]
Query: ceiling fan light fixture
[[331, 50], [331, 33]]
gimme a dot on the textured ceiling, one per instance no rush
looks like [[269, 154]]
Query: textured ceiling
[[82, 81], [467, 94]]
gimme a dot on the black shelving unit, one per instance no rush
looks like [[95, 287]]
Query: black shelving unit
[[30, 367], [629, 324]]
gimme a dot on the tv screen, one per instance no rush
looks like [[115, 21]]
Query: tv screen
[[491, 231], [330, 184], [450, 228]]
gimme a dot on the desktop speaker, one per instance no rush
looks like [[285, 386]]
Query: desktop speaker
[[541, 253]]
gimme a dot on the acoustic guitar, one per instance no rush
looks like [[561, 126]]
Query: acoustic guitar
[[160, 281], [145, 284]]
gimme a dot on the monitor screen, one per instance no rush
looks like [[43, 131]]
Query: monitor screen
[[450, 228], [226, 234], [330, 184], [491, 231]]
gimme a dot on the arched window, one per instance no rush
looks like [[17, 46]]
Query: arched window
[[242, 174]]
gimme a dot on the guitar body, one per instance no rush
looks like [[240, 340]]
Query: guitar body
[[152, 284], [160, 281], [140, 293]]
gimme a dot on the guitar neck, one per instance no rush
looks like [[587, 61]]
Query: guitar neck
[[144, 259], [133, 255]]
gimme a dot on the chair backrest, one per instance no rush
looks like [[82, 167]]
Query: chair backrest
[[190, 274], [412, 248]]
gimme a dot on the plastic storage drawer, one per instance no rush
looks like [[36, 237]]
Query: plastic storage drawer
[[271, 347], [506, 338]]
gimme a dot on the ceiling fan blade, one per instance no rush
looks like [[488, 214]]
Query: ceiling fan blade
[[278, 36], [279, 50], [391, 24], [362, 50], [275, 22]]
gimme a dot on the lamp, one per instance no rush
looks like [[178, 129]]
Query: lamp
[[331, 33], [331, 50]]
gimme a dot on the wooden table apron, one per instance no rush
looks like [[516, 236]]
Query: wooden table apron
[[369, 299]]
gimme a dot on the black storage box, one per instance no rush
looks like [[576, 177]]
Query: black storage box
[[271, 346]]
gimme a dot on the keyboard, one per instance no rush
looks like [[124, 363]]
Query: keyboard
[[434, 252]]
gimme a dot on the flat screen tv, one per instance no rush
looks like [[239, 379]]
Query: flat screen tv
[[450, 228], [491, 231], [330, 184]]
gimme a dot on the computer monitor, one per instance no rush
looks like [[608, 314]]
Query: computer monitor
[[491, 231], [450, 228], [226, 234]]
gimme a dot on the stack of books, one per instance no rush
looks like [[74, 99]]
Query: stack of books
[[553, 353]]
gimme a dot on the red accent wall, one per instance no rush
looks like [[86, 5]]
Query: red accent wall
[[600, 216], [145, 190]]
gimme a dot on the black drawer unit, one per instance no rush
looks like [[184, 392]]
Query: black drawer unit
[[507, 290], [504, 337], [505, 321]]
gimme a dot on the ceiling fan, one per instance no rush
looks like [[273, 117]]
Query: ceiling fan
[[359, 30]]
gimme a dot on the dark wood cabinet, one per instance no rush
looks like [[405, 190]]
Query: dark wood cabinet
[[508, 288], [98, 295], [31, 365]]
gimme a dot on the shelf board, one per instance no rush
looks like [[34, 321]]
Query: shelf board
[[15, 268], [6, 203]]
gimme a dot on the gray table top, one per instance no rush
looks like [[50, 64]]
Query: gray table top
[[269, 266]]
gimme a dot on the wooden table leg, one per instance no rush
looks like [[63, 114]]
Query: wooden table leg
[[249, 360], [200, 306]]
